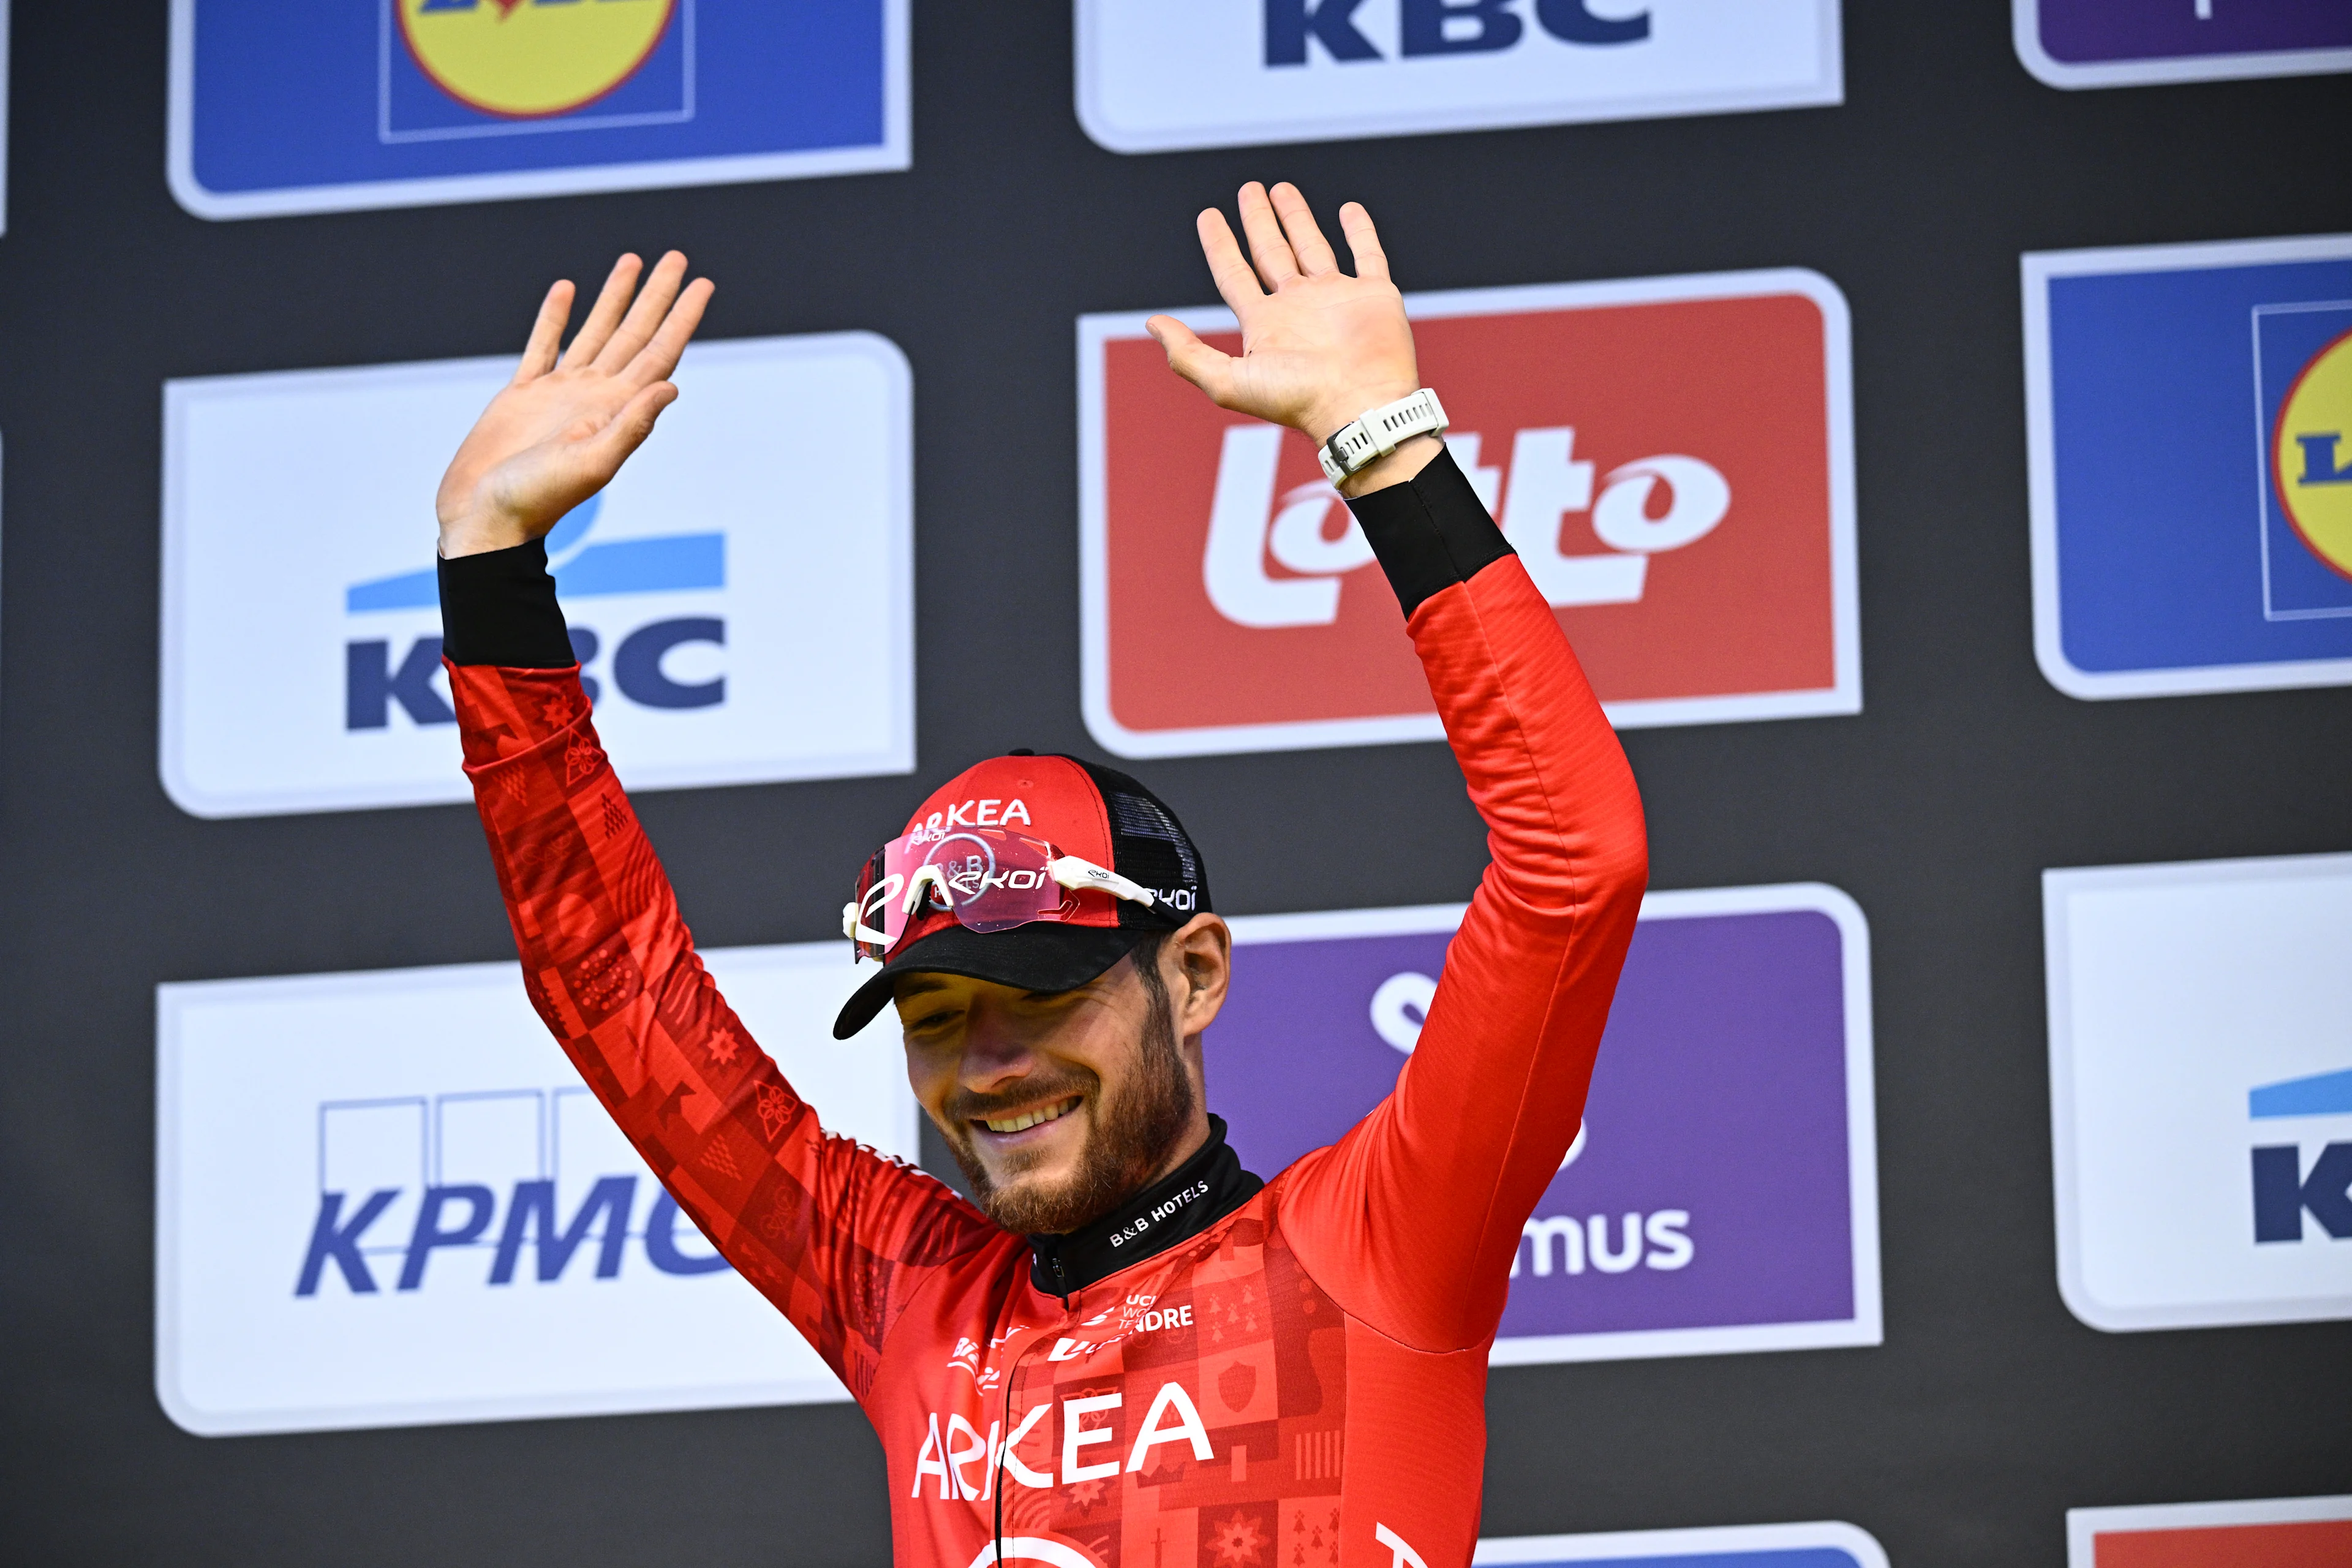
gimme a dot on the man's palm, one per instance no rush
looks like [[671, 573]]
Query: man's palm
[[560, 431], [1319, 347]]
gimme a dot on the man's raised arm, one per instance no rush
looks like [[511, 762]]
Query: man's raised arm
[[1414, 1217], [833, 1234]]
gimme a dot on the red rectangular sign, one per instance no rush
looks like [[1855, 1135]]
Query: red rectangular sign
[[2281, 1533], [1672, 459]]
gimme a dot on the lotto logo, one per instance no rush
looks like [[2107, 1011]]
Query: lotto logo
[[2280, 1533], [1670, 458], [302, 664], [1160, 74], [388, 1200]]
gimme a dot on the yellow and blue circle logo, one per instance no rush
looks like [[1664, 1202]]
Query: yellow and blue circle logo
[[528, 60], [2311, 453]]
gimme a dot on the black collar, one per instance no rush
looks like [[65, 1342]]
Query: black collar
[[1189, 1200]]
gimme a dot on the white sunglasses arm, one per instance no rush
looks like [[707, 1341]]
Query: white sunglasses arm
[[1074, 873]]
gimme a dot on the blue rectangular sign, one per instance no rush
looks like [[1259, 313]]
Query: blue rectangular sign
[[2191, 466], [2123, 43], [295, 109], [1825, 1544]]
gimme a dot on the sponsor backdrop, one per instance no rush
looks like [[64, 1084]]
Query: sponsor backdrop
[[1972, 1142]]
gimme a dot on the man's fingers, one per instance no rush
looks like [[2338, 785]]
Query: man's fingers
[[1363, 242], [1237, 284], [546, 334], [1206, 368], [611, 301], [660, 356], [653, 302], [1272, 253], [611, 447], [1306, 241]]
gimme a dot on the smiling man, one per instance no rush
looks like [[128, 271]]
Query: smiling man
[[1133, 1351]]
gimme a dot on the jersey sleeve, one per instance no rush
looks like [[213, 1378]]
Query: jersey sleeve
[[836, 1236], [1413, 1218]]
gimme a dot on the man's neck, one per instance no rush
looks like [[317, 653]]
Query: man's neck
[[1194, 1192]]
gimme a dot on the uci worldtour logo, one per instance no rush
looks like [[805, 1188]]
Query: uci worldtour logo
[[376, 681], [532, 60]]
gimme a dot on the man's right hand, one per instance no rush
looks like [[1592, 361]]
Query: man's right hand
[[560, 431]]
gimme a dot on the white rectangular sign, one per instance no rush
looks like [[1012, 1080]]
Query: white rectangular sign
[[2201, 1090], [761, 537], [1159, 75], [1827, 1545], [287, 1110]]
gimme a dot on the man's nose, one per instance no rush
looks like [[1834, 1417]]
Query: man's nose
[[994, 1052]]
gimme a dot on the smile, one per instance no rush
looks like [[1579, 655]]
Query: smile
[[1029, 1118]]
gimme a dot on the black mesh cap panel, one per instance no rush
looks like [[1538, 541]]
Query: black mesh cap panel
[[1150, 847]]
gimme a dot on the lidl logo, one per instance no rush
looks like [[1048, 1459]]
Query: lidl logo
[[2124, 43], [2200, 1102], [403, 103], [1155, 75], [302, 665], [1722, 1194], [1827, 1545], [2190, 442], [529, 59], [1693, 524], [387, 1199], [2276, 1533]]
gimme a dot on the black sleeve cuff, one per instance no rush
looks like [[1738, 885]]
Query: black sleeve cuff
[[499, 608], [1430, 532]]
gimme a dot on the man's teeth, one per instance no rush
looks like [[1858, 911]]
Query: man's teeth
[[1029, 1118]]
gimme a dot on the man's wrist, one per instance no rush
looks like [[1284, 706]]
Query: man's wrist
[[1412, 454], [1336, 413]]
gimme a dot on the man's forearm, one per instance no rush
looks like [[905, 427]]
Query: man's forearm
[[499, 608]]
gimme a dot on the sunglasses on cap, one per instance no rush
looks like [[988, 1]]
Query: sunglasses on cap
[[988, 879]]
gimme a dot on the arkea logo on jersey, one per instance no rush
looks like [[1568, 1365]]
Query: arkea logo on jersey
[[1723, 1194], [2201, 1110], [380, 103], [302, 662], [363, 1221], [2123, 43], [2172, 552], [1693, 523], [2277, 1532], [1155, 75]]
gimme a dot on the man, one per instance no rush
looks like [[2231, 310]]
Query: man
[[1134, 1354]]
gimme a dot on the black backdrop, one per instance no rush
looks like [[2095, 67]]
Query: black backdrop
[[1987, 1412]]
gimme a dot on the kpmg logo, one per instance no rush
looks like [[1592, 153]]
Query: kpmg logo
[[399, 102], [1693, 527], [2274, 1532], [2190, 446], [1827, 1545], [1155, 75], [2124, 43], [2200, 1018], [1722, 1196], [387, 1199], [302, 660]]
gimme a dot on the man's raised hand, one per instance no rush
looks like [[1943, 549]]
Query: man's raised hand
[[558, 433], [1319, 347]]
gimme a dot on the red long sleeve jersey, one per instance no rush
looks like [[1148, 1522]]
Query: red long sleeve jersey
[[1300, 1384]]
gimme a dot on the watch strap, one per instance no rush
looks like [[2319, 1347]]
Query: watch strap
[[1379, 431]]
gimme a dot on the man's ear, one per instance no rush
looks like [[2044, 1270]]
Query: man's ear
[[1197, 961]]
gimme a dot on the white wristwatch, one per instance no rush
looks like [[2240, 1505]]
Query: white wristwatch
[[1379, 430]]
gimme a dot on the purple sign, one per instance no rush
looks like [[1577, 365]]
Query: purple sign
[[2117, 43], [1722, 1196]]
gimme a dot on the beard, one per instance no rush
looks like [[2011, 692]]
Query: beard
[[1133, 1131]]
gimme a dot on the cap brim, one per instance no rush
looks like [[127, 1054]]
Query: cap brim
[[1041, 956]]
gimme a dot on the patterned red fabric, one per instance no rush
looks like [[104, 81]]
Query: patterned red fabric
[[1303, 1383]]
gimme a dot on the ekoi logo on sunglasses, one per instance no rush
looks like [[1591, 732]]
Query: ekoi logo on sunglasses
[[1670, 457]]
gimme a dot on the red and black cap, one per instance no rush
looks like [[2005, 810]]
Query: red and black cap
[[1084, 809]]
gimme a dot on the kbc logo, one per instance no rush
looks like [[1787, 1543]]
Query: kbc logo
[[1669, 458]]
